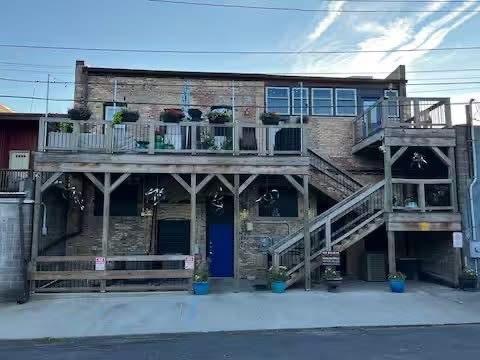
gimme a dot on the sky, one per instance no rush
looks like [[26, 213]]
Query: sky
[[144, 24]]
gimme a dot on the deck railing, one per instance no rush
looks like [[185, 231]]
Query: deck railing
[[156, 137], [404, 112], [14, 181]]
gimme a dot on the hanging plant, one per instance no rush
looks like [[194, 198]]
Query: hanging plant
[[155, 195], [217, 117], [195, 114], [418, 161], [80, 113], [172, 115], [270, 118], [216, 201]]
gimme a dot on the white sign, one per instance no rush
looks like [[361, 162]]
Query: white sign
[[475, 249], [457, 240], [100, 263], [189, 262]]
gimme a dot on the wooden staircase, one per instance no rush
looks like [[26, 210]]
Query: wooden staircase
[[338, 228]]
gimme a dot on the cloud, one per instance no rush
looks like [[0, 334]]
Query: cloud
[[326, 22]]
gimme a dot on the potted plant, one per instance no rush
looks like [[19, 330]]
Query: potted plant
[[200, 279], [207, 140], [397, 282], [277, 278], [172, 115], [218, 117], [306, 119], [270, 118], [332, 278], [195, 114], [128, 115], [117, 119], [79, 113], [468, 280]]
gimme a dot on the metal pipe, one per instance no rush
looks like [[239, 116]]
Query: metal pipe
[[44, 221], [474, 180]]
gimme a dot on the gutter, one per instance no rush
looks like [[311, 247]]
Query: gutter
[[474, 180]]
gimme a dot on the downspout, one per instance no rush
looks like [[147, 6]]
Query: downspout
[[474, 180]]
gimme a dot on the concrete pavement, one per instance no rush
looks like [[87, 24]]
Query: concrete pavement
[[439, 343], [356, 305]]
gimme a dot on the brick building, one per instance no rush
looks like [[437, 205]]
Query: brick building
[[335, 173]]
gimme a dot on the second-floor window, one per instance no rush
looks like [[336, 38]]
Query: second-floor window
[[278, 100], [322, 101], [346, 102], [299, 96]]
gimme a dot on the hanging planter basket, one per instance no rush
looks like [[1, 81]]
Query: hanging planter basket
[[270, 118]]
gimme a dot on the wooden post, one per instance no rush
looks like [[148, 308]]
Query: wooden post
[[193, 214], [42, 139], [151, 138], [452, 176], [37, 208], [106, 223], [328, 234], [193, 138], [392, 265], [306, 234], [237, 129], [388, 179], [76, 136], [421, 196], [236, 227], [416, 114], [448, 113]]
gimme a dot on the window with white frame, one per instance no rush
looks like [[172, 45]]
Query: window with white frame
[[346, 102], [392, 105], [322, 101], [299, 96], [109, 109], [277, 100]]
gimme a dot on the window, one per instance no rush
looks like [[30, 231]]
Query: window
[[109, 109], [346, 102], [278, 100], [299, 95], [322, 101], [393, 108], [285, 206], [123, 201]]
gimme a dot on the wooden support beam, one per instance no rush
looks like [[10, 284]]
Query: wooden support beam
[[392, 263], [193, 214], [421, 197], [119, 181], [247, 182], [328, 234], [95, 181], [306, 234], [388, 179], [295, 184], [50, 180], [453, 177], [106, 222], [182, 182], [397, 155], [37, 209], [204, 182], [441, 155], [236, 233], [226, 183]]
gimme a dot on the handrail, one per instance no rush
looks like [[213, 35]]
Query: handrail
[[315, 157], [327, 215]]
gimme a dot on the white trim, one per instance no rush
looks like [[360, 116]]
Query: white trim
[[336, 101], [288, 96], [306, 110], [319, 98]]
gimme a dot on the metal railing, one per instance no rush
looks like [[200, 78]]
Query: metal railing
[[155, 137], [12, 181], [332, 175], [404, 112], [330, 228]]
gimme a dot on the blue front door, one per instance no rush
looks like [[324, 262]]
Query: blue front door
[[221, 250]]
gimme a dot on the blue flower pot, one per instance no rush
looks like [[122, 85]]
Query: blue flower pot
[[397, 286], [278, 287], [200, 288]]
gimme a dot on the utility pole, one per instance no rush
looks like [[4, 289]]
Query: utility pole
[[48, 95]]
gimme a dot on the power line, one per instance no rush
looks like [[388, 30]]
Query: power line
[[229, 52], [303, 10], [36, 71], [443, 90], [35, 65]]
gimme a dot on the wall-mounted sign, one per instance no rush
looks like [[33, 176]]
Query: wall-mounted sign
[[331, 258], [189, 262], [457, 239], [100, 263], [475, 249]]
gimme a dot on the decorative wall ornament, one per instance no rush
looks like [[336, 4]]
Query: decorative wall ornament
[[418, 161], [216, 201], [155, 195], [269, 197]]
